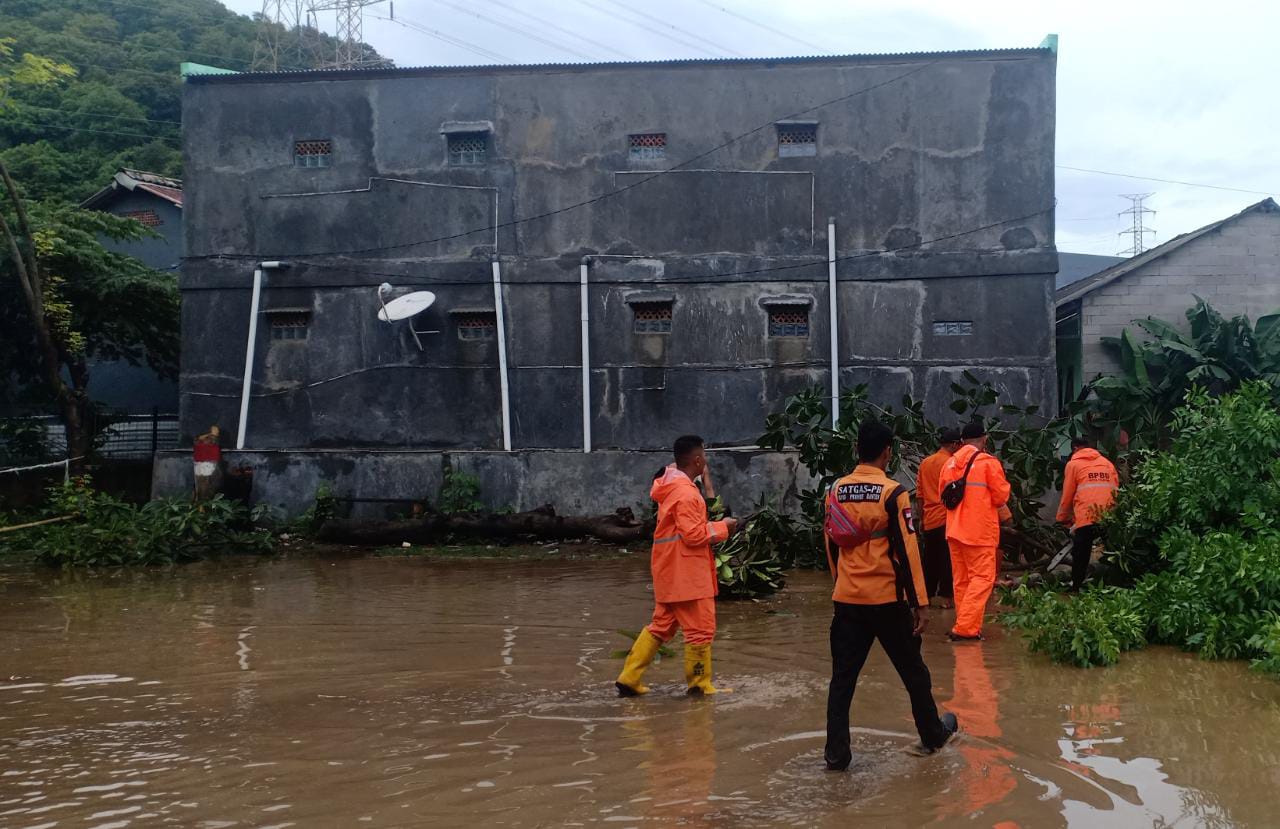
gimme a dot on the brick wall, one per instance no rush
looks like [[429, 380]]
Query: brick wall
[[1236, 269]]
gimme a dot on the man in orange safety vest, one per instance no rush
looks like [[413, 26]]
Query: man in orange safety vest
[[1088, 490], [973, 528], [685, 583]]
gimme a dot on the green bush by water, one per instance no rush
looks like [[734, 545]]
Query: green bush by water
[[1196, 539], [102, 530]]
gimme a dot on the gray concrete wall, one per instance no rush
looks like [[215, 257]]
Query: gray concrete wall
[[940, 147], [1236, 269], [575, 482]]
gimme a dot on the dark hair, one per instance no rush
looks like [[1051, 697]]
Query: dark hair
[[1080, 443], [950, 435], [873, 438], [685, 446]]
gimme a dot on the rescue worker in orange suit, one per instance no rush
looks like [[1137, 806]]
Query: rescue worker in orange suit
[[937, 555], [973, 528], [879, 594], [684, 574], [1088, 490]]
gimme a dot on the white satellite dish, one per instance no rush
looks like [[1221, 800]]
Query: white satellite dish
[[405, 307]]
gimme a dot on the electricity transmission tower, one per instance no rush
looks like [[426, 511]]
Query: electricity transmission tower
[[350, 52], [1139, 230], [282, 41]]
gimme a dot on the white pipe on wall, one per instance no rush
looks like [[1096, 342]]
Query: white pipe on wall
[[832, 302], [585, 309], [502, 356], [250, 347]]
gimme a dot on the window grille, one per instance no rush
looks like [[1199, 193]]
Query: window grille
[[797, 140], [788, 321], [649, 146], [952, 328], [312, 153], [477, 325], [652, 317], [467, 149], [289, 325], [149, 218]]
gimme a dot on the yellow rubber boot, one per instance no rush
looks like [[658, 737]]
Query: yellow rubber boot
[[638, 659], [697, 670]]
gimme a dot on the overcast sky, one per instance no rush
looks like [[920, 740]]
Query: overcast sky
[[1166, 90]]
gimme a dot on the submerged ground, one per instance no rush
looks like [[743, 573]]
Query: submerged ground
[[410, 691]]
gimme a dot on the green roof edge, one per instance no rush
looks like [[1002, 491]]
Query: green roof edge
[[187, 68], [1050, 42]]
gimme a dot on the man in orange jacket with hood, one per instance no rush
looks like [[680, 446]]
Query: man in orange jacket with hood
[[1088, 490], [684, 574], [973, 528]]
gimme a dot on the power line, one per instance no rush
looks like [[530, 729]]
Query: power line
[[444, 38], [602, 46], [98, 114], [602, 196], [166, 139], [652, 29], [764, 26], [660, 22], [516, 29], [1165, 180]]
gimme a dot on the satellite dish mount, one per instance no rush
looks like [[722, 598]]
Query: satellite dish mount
[[405, 308]]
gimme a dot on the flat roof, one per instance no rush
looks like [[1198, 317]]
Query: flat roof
[[214, 76]]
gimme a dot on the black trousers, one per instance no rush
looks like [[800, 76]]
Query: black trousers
[[853, 629], [1081, 550], [937, 563]]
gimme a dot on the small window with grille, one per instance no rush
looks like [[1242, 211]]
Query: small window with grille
[[312, 153], [652, 317], [468, 149], [149, 218], [648, 146], [477, 325], [788, 321], [289, 324], [952, 328], [797, 140]]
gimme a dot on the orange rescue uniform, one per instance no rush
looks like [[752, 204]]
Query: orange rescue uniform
[[874, 573], [683, 565], [973, 532], [935, 514], [1088, 489]]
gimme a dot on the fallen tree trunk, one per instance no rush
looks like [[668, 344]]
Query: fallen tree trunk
[[620, 527]]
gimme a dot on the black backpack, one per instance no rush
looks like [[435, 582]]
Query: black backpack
[[953, 493]]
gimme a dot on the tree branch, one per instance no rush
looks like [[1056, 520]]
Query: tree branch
[[24, 227]]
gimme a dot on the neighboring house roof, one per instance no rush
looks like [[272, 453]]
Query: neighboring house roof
[[126, 180], [1072, 267], [1076, 290]]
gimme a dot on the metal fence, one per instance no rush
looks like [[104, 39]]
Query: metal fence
[[126, 437]]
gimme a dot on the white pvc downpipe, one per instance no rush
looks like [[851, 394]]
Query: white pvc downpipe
[[250, 347], [500, 319], [832, 302], [585, 308]]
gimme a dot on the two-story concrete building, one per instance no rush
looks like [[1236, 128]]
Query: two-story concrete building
[[619, 253]]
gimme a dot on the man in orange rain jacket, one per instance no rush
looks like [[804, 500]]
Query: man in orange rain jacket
[[1088, 490], [684, 574], [973, 528], [937, 555], [879, 594]]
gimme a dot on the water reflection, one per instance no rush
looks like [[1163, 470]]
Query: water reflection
[[384, 692]]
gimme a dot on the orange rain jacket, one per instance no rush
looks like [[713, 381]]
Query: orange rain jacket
[[683, 565], [886, 568], [935, 514], [976, 522], [1088, 489]]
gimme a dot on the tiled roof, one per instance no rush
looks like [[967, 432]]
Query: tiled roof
[[164, 187], [1072, 292], [422, 71]]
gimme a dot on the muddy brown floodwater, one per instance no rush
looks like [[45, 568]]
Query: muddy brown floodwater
[[411, 692]]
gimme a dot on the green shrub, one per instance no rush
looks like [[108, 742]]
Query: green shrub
[[460, 492], [752, 561], [1091, 629], [104, 531]]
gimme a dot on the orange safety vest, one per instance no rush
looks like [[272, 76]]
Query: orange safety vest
[[886, 567], [682, 562], [976, 521], [935, 514], [1088, 489]]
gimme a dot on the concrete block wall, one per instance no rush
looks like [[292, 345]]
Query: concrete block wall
[[1236, 269]]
